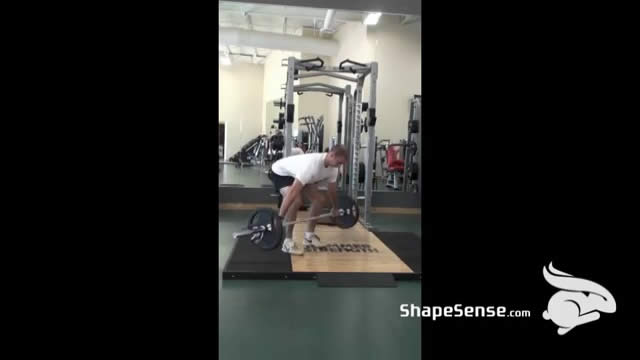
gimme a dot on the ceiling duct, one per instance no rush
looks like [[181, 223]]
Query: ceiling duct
[[267, 40], [328, 22]]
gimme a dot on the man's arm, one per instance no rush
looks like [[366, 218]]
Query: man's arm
[[292, 194]]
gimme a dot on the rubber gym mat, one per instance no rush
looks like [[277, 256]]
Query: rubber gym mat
[[407, 246], [249, 259], [371, 280]]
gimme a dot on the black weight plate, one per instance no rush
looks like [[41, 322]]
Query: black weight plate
[[351, 212], [263, 217]]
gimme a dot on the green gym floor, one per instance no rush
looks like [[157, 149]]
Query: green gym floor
[[296, 319]]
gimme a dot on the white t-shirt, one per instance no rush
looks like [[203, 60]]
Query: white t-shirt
[[296, 151], [307, 168]]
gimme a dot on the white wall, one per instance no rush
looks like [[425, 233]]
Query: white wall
[[354, 46], [397, 50], [275, 75], [240, 96]]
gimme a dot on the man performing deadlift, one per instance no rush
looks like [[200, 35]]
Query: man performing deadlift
[[302, 175]]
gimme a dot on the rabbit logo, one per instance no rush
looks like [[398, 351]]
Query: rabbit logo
[[578, 302]]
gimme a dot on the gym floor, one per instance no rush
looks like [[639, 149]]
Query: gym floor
[[297, 319]]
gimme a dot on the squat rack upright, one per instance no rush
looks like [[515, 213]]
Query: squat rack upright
[[299, 69]]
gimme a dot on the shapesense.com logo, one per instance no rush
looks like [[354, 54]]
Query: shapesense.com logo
[[458, 311], [578, 301]]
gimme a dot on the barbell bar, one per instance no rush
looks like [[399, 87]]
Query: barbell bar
[[266, 227]]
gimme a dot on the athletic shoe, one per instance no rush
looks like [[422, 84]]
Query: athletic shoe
[[288, 246], [312, 239]]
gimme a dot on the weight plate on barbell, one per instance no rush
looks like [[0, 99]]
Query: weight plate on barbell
[[351, 214], [265, 216]]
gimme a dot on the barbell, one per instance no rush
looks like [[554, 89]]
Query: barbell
[[266, 228]]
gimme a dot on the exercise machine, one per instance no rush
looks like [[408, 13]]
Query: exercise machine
[[313, 137], [252, 153], [395, 165], [299, 69], [400, 162], [412, 170]]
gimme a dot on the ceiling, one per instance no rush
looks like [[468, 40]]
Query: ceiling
[[279, 19], [401, 7]]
